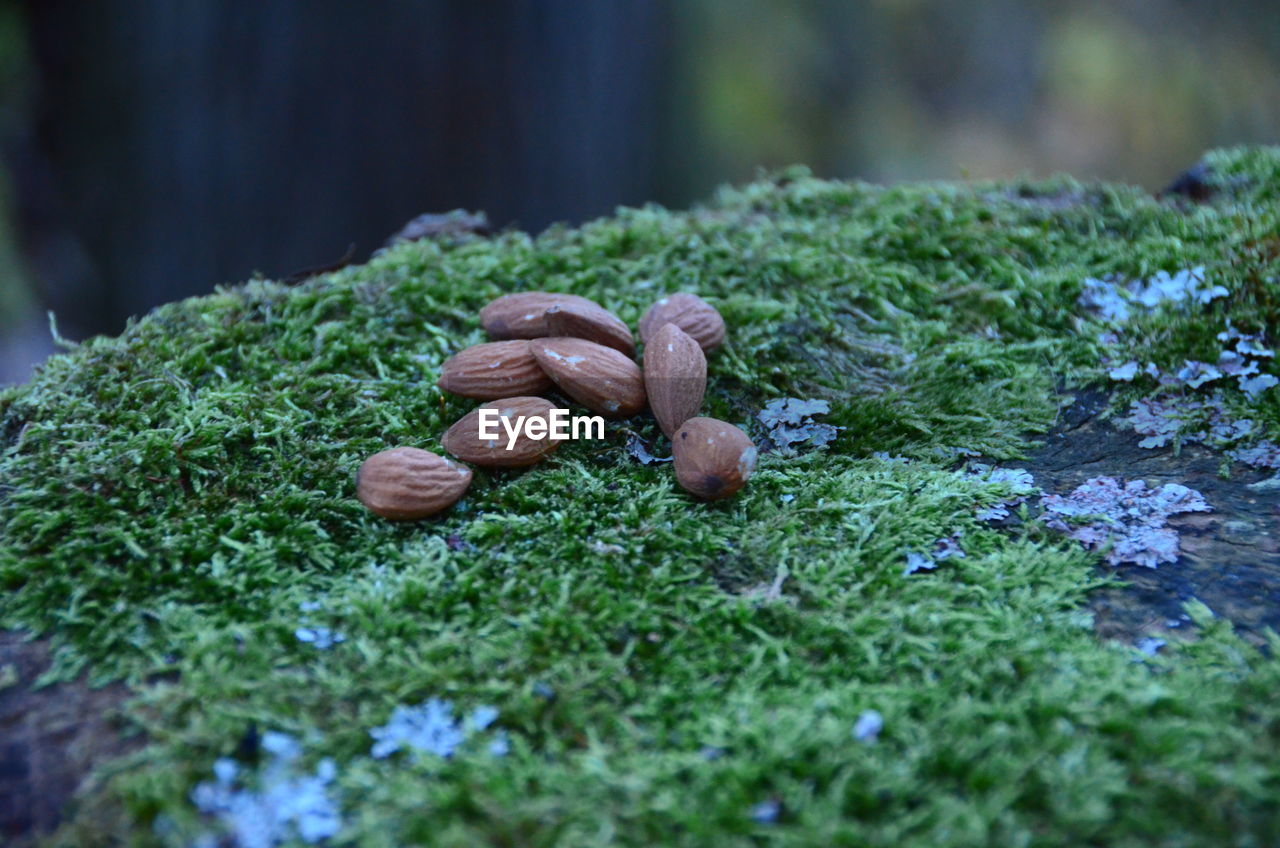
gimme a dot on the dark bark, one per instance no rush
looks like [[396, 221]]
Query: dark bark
[[1230, 557]]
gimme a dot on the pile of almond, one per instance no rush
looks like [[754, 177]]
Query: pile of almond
[[544, 339]]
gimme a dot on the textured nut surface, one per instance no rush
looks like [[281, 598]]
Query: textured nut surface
[[463, 438], [598, 377], [493, 370], [713, 458], [688, 312], [409, 483], [675, 376], [595, 324], [522, 315]]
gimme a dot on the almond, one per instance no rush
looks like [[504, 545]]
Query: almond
[[408, 483], [522, 315], [598, 377], [493, 370], [688, 312], [594, 323], [463, 438], [713, 459], [675, 376]]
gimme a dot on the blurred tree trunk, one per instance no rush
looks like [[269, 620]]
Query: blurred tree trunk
[[190, 142]]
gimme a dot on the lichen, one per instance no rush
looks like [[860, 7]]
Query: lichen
[[1128, 520]]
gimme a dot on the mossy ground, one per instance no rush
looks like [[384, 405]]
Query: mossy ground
[[169, 498]]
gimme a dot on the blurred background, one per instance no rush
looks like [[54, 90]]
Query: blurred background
[[152, 149]]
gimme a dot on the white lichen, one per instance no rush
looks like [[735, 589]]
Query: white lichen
[[947, 547], [868, 726], [1128, 520], [1018, 481], [790, 423], [431, 728], [1113, 298], [285, 804]]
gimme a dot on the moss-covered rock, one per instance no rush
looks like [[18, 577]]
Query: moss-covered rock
[[179, 499]]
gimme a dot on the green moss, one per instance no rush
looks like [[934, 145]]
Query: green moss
[[171, 495]]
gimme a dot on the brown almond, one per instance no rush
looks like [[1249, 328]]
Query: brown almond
[[598, 377], [595, 324], [688, 312], [523, 315], [713, 458], [493, 370], [675, 377], [409, 483], [464, 441]]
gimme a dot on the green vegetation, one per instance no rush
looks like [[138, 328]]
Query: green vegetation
[[170, 497]]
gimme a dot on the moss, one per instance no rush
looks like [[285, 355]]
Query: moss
[[171, 495]]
